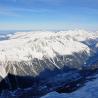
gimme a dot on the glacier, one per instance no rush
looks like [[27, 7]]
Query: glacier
[[47, 59]]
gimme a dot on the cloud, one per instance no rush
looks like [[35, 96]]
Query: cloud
[[7, 12], [15, 26], [17, 11], [4, 13]]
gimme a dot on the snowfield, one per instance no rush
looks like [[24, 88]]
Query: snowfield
[[42, 44], [89, 90], [53, 58], [27, 46]]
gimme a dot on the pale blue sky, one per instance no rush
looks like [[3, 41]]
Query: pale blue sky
[[48, 14]]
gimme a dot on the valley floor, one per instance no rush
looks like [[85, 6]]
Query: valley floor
[[89, 90]]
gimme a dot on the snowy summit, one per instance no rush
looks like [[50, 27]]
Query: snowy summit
[[46, 60], [41, 45]]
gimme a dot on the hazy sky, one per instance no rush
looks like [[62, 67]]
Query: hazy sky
[[48, 14]]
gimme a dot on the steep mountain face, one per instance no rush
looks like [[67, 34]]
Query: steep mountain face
[[46, 56]]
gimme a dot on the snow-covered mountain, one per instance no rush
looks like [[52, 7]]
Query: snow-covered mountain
[[49, 56]]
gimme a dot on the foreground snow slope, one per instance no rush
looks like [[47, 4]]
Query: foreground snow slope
[[89, 90], [45, 50]]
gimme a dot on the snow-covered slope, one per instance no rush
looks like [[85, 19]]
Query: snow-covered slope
[[89, 90], [54, 58], [55, 50], [27, 46]]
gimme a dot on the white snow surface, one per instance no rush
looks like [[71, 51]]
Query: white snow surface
[[89, 90], [26, 46]]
